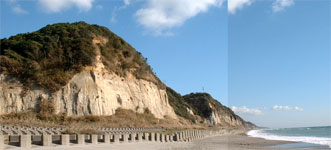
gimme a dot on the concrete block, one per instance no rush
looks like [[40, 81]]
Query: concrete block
[[153, 137], [80, 139], [162, 138], [133, 137], [157, 139], [94, 139], [177, 137], [116, 138], [25, 141], [167, 138], [125, 138], [46, 140], [146, 136], [140, 137], [181, 136], [2, 142], [65, 139], [106, 138]]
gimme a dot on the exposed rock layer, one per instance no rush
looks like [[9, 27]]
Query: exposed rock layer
[[89, 93]]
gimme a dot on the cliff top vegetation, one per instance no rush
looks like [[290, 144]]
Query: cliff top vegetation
[[51, 56]]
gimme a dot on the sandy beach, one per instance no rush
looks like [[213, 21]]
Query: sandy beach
[[226, 142]]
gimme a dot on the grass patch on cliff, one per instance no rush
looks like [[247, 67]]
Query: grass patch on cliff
[[83, 124]]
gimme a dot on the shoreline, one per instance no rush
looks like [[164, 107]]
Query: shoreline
[[291, 143]]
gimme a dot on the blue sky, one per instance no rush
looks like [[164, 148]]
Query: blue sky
[[187, 56], [268, 60], [279, 63]]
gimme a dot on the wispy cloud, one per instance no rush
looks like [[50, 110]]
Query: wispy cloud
[[54, 6], [234, 5], [19, 10], [159, 16], [280, 5], [16, 8], [246, 110], [127, 2], [288, 108], [277, 6], [117, 9], [298, 108]]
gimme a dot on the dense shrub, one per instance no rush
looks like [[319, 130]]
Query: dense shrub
[[46, 109], [203, 105], [179, 105], [200, 103], [49, 56]]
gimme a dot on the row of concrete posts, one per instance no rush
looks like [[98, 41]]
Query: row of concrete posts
[[26, 141]]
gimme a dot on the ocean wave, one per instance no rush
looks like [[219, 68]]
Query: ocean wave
[[307, 139]]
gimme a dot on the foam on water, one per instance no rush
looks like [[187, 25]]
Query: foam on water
[[307, 139]]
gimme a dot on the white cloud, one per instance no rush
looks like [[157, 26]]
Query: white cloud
[[113, 16], [245, 110], [280, 5], [296, 108], [19, 10], [127, 2], [234, 5], [276, 107], [16, 8], [59, 5], [159, 16], [117, 9]]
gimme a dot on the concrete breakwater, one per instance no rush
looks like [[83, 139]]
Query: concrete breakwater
[[125, 135], [23, 130]]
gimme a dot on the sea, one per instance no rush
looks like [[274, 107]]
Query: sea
[[313, 135]]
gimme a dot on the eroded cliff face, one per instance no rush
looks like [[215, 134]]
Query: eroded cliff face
[[218, 117], [94, 91], [203, 106]]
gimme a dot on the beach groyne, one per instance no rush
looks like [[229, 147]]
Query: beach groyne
[[28, 140]]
